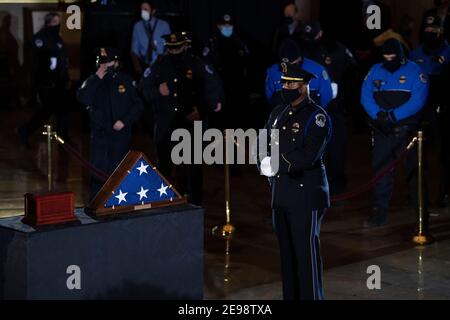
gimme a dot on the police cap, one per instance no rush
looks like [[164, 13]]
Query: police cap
[[106, 54], [176, 39], [294, 73], [432, 21]]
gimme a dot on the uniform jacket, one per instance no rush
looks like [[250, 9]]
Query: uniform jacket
[[303, 136], [432, 63], [191, 83], [48, 47], [110, 99], [403, 92]]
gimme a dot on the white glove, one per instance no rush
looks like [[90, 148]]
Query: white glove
[[335, 88], [266, 168], [53, 63]]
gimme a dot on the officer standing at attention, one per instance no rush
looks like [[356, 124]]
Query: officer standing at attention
[[187, 90], [228, 54], [433, 57], [300, 193], [50, 79], [341, 66], [114, 105], [393, 95], [147, 40], [320, 88]]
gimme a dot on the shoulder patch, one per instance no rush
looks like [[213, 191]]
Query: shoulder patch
[[423, 78], [147, 72], [206, 51], [209, 69], [321, 120], [38, 43]]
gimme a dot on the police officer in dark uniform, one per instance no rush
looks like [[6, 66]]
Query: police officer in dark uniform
[[301, 129], [340, 64], [393, 95], [50, 79], [433, 56], [113, 103], [228, 54], [185, 90]]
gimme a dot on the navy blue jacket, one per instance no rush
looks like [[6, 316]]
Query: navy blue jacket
[[111, 99], [301, 179]]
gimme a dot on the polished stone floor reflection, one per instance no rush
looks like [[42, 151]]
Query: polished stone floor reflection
[[247, 265]]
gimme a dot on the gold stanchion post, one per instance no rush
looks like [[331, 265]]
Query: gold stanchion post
[[227, 229], [422, 237], [48, 133]]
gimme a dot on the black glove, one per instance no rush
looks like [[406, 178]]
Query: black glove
[[386, 121]]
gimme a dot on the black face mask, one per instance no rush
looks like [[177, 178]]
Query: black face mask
[[431, 40], [54, 30], [392, 65], [290, 95], [177, 57], [112, 70], [288, 20], [392, 47]]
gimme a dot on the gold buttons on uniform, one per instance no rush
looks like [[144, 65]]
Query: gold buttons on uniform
[[175, 94], [291, 113], [284, 128], [176, 109], [175, 80]]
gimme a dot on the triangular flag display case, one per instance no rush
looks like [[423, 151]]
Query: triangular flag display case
[[136, 184]]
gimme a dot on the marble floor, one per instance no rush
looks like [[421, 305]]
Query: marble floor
[[246, 266]]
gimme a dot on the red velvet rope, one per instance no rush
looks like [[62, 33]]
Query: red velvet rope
[[373, 182], [97, 172], [345, 196]]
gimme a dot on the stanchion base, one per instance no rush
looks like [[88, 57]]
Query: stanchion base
[[225, 230], [422, 239]]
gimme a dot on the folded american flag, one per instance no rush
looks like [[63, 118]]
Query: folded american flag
[[135, 184]]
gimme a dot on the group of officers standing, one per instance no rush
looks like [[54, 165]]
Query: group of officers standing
[[308, 89]]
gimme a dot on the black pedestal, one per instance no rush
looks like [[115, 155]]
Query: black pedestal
[[155, 254]]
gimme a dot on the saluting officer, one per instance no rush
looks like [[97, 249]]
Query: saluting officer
[[433, 57], [300, 194], [114, 105], [187, 90], [393, 95]]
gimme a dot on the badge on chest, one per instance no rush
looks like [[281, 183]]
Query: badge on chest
[[121, 88], [295, 127]]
